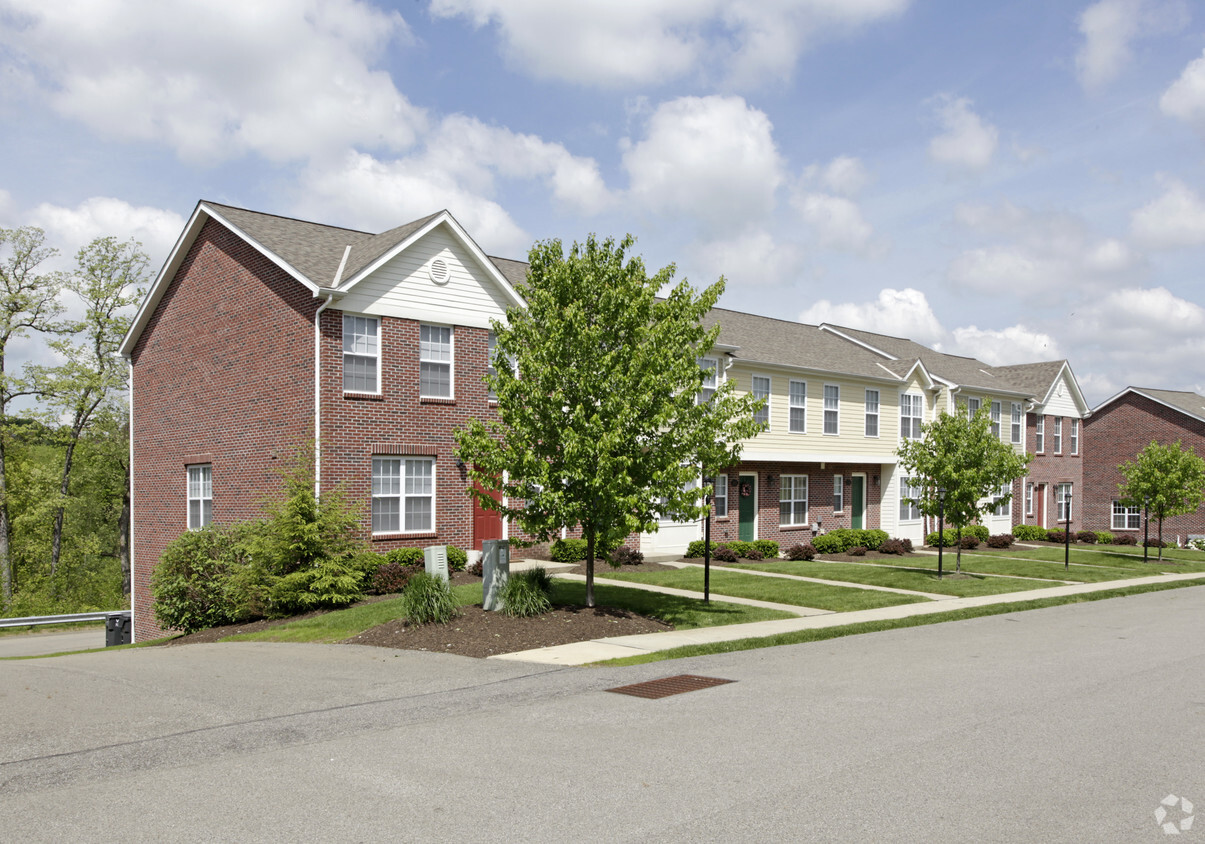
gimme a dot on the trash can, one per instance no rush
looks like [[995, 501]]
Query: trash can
[[117, 629]]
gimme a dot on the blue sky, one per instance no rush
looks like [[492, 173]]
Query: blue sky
[[1015, 181]]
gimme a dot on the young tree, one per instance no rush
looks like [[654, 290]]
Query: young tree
[[107, 282], [28, 302], [958, 453], [1169, 479], [597, 383]]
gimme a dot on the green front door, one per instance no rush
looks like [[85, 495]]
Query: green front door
[[748, 508], [856, 497]]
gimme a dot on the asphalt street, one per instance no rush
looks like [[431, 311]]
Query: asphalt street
[[1066, 724]]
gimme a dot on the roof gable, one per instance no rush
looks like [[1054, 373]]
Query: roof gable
[[1182, 401]]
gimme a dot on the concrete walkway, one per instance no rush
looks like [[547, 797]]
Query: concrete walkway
[[581, 653]]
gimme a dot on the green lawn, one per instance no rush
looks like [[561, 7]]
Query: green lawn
[[1122, 556], [682, 613], [778, 590], [1006, 563], [920, 580]]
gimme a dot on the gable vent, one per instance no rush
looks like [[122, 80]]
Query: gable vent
[[439, 271]]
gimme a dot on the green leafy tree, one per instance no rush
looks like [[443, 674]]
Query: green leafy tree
[[1168, 479], [958, 453], [28, 302], [597, 382]]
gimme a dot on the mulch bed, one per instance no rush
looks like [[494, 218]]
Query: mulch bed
[[869, 556]]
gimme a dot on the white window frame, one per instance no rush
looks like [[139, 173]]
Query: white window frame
[[1018, 419], [909, 512], [762, 415], [872, 412], [798, 401], [995, 411], [999, 507], [1075, 436], [914, 402], [720, 494], [1039, 434], [199, 491], [450, 363], [796, 484], [836, 411], [368, 350], [1058, 435], [713, 365], [400, 492], [1029, 499], [973, 405], [838, 494], [1060, 503], [1125, 513]]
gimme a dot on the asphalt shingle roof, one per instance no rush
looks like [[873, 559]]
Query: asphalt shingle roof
[[1190, 403]]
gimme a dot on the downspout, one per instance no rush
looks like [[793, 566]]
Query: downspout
[[330, 297], [130, 526]]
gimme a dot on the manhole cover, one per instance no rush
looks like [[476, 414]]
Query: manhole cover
[[654, 689]]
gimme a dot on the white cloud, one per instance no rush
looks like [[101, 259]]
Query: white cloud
[[1110, 26], [1185, 99], [899, 313], [1177, 218], [599, 42], [69, 229], [837, 221], [1015, 344], [967, 144], [845, 175], [215, 79], [710, 158], [751, 257]]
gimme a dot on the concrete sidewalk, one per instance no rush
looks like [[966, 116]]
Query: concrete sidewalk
[[582, 653]]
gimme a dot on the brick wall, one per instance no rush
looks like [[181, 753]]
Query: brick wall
[[1049, 469], [1115, 434], [223, 374]]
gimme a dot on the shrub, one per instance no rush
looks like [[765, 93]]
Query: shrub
[[768, 548], [857, 551], [428, 599], [1056, 536], [969, 542], [475, 568], [873, 539], [723, 554], [190, 583], [740, 547], [1000, 540], [980, 532], [828, 543], [624, 556], [1088, 537], [457, 558], [527, 593], [391, 578], [892, 546], [801, 552], [1104, 537], [1155, 543], [327, 584], [754, 554], [406, 557], [568, 550], [1029, 533], [1124, 539], [1197, 544], [948, 538], [696, 548]]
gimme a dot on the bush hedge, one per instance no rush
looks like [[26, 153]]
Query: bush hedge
[[1088, 537], [1104, 537], [767, 547], [969, 542], [1029, 533], [802, 551], [895, 546], [1000, 540], [1124, 539], [1059, 536], [624, 556], [724, 554], [842, 539]]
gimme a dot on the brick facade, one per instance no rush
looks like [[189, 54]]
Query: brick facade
[[1046, 470], [1116, 433]]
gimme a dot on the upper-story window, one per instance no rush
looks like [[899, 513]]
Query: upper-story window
[[996, 419], [832, 408], [761, 390], [1016, 423], [711, 379], [1075, 436], [435, 361], [361, 354], [1039, 435], [491, 344], [911, 416], [799, 411], [1058, 435], [872, 413], [200, 496], [972, 406]]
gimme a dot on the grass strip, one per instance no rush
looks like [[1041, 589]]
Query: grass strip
[[824, 633], [917, 579], [776, 590], [1117, 556]]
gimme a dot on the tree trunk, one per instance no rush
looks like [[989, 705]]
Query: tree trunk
[[590, 535], [6, 565], [1161, 539], [123, 535], [56, 538], [958, 554]]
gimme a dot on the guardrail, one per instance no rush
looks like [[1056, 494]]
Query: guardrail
[[117, 623]]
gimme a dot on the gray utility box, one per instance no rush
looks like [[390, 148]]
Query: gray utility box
[[435, 558], [495, 569], [117, 629]]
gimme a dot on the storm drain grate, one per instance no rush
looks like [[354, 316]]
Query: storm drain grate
[[655, 689]]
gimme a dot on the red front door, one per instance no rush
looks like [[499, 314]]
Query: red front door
[[1040, 495], [487, 524]]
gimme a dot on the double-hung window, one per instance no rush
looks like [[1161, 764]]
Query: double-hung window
[[1075, 436], [435, 362], [1126, 518], [719, 496], [872, 413], [1062, 498], [200, 496], [799, 411], [793, 500], [361, 354], [1029, 499], [909, 495], [1039, 435], [1058, 435], [832, 408], [403, 494], [761, 390], [996, 419], [1016, 424], [1001, 501], [711, 381], [911, 410], [838, 493], [972, 407]]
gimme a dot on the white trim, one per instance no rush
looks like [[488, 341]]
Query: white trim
[[807, 500], [900, 426], [1113, 515], [451, 362], [791, 406], [878, 412], [343, 353], [865, 498], [906, 480], [1077, 394], [1057, 435], [1039, 434], [824, 411], [1016, 409], [838, 484], [318, 392], [750, 455], [202, 498], [130, 526], [824, 326], [769, 395], [401, 494]]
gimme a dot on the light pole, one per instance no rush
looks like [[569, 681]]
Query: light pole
[[1067, 532], [707, 551], [941, 526], [1146, 527]]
